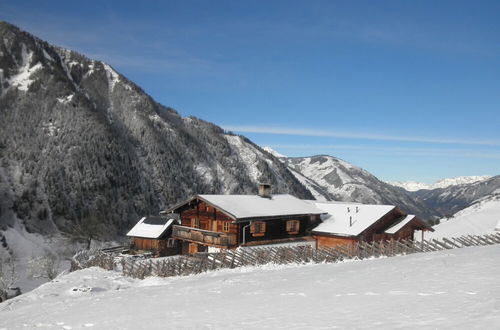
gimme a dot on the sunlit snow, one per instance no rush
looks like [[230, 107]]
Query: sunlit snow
[[446, 289]]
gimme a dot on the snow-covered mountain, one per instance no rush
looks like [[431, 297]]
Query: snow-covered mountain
[[447, 201], [85, 151], [479, 218], [443, 183], [415, 291], [330, 178]]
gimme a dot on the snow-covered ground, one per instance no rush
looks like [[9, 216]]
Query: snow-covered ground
[[27, 247], [478, 219], [443, 183], [446, 289]]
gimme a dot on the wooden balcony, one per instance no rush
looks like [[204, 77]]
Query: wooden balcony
[[205, 237]]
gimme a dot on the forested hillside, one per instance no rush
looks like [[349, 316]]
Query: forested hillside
[[83, 149]]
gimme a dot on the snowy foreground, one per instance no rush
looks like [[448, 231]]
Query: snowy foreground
[[446, 289]]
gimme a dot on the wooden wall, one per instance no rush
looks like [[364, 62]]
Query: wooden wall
[[323, 241], [275, 229], [157, 246], [209, 218]]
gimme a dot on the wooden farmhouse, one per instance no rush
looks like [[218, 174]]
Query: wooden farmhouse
[[347, 223], [230, 221], [154, 234], [206, 223]]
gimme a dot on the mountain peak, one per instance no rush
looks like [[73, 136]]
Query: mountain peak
[[273, 152]]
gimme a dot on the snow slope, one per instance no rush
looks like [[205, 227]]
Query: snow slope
[[479, 218], [414, 291], [443, 183]]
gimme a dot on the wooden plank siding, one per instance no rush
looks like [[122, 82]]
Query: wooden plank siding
[[328, 241], [209, 218], [275, 230], [157, 246]]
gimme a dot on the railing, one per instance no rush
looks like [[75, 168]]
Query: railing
[[202, 262], [204, 236]]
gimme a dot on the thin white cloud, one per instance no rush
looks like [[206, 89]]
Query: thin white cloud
[[357, 136], [423, 152]]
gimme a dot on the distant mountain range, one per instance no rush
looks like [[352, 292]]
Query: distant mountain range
[[84, 150], [443, 183]]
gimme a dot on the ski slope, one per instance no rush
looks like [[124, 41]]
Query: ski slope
[[446, 289]]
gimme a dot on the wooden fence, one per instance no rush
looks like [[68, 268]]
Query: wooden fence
[[203, 262]]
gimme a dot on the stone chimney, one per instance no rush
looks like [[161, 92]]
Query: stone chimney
[[265, 190]]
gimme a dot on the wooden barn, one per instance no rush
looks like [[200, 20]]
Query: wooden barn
[[346, 223], [154, 234], [230, 221]]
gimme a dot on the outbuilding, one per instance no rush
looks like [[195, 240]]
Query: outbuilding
[[347, 223]]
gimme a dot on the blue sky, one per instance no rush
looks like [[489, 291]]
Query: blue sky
[[408, 90]]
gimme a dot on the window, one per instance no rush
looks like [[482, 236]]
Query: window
[[171, 242], [292, 226], [225, 226], [195, 222], [258, 228]]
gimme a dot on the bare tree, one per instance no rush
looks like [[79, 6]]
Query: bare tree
[[8, 275], [46, 266]]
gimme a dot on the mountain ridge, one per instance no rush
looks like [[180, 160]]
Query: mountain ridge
[[76, 136], [441, 183]]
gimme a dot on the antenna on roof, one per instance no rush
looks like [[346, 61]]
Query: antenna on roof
[[348, 209], [350, 221], [357, 209]]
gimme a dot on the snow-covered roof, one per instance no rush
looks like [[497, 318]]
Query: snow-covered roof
[[394, 229], [254, 206], [151, 227], [349, 219]]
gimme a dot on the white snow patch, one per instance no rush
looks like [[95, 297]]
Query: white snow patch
[[50, 128], [417, 291], [91, 69], [273, 152], [205, 172], [248, 154], [47, 56], [310, 185], [66, 99], [113, 77], [22, 79]]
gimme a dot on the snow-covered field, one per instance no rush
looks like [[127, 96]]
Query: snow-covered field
[[477, 219], [447, 289]]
